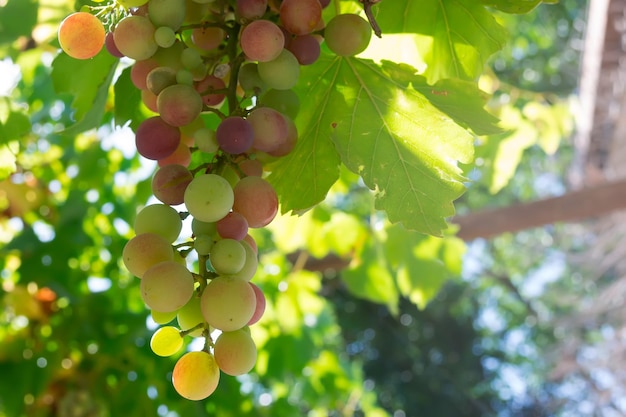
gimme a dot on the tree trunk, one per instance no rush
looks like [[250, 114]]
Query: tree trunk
[[574, 206]]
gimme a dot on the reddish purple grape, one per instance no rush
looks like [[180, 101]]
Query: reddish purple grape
[[234, 135], [156, 139], [109, 43], [300, 17], [305, 48]]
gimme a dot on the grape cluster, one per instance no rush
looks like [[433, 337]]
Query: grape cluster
[[193, 60]]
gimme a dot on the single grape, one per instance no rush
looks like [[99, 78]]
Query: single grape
[[164, 36], [235, 352], [256, 200], [199, 228], [300, 17], [184, 76], [159, 219], [347, 34], [160, 317], [166, 286], [203, 244], [190, 315], [149, 99], [206, 140], [260, 305], [232, 226], [134, 37], [269, 127], [156, 139], [262, 40], [81, 35], [228, 303], [249, 78], [196, 12], [287, 145], [139, 72], [285, 101], [227, 256], [209, 197], [144, 251], [190, 58], [170, 13], [235, 135], [196, 375], [179, 104], [169, 183], [251, 9], [166, 341], [206, 86], [159, 78], [208, 38], [305, 48], [281, 73], [252, 243], [109, 43], [250, 265]]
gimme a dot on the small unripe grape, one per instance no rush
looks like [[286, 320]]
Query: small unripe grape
[[81, 35], [285, 101], [249, 78], [227, 256], [196, 375], [203, 244], [198, 227], [170, 13], [281, 73], [347, 34], [190, 315], [161, 317], [164, 36], [204, 138]]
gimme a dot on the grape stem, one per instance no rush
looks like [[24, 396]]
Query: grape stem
[[367, 7]]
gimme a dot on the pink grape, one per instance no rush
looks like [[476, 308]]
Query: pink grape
[[228, 303], [145, 250], [169, 184], [81, 35], [262, 40], [300, 17], [232, 226], [211, 82], [179, 104], [235, 135], [251, 9], [251, 167], [235, 352], [289, 143], [269, 127], [256, 200], [260, 305], [155, 139], [180, 156], [139, 72], [208, 38]]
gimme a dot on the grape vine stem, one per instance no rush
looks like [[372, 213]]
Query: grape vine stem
[[367, 7]]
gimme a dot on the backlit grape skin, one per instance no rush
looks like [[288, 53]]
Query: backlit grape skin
[[347, 34], [81, 35], [196, 375]]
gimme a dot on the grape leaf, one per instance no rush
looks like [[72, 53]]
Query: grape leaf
[[403, 147], [513, 6], [456, 36], [88, 81], [302, 178], [18, 18], [128, 104]]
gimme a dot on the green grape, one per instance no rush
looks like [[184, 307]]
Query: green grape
[[228, 303], [132, 3], [166, 286], [184, 76], [190, 315], [161, 317], [250, 265], [206, 140], [199, 228], [235, 352], [159, 219], [166, 341], [134, 37], [145, 250], [164, 36], [196, 375], [281, 73], [209, 197], [170, 13], [81, 35], [203, 244], [250, 80], [227, 256], [190, 58], [347, 34], [159, 78]]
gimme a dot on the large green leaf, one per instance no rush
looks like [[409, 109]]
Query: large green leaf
[[513, 6], [456, 36], [88, 81], [18, 18], [403, 147]]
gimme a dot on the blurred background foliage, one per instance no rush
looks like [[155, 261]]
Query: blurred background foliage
[[363, 319]]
